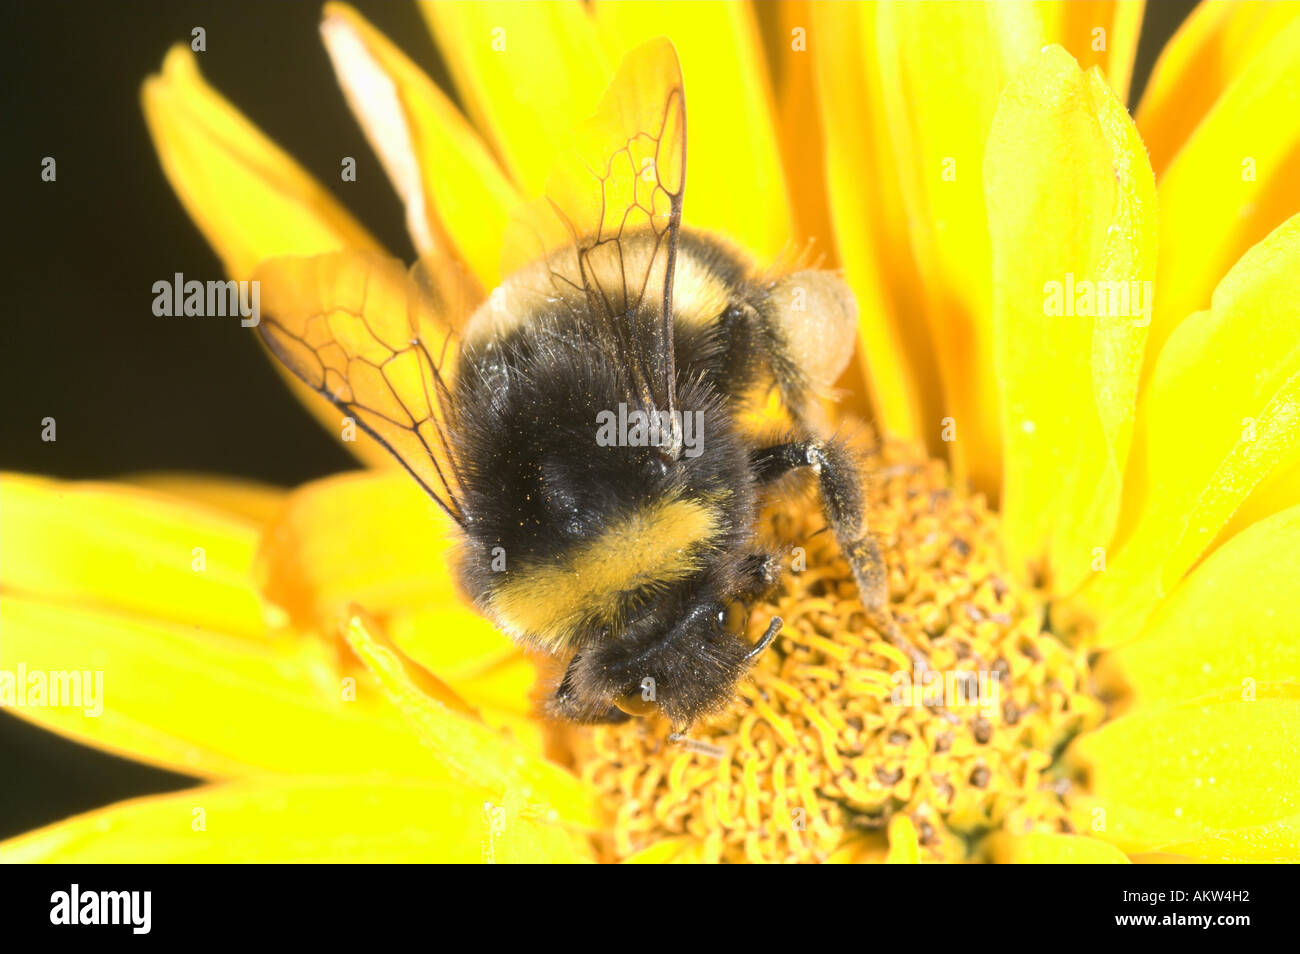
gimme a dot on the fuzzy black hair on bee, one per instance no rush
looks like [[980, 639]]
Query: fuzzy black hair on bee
[[618, 558], [589, 426]]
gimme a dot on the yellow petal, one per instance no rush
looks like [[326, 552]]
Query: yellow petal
[[1161, 858], [247, 196], [904, 845], [1211, 48], [1236, 177], [1229, 625], [1071, 210], [475, 752], [133, 550], [527, 73], [506, 686], [867, 849], [374, 539], [379, 541], [1222, 412], [1130, 827], [458, 200], [1048, 848], [1101, 33], [274, 821], [785, 29], [943, 67], [1275, 493], [200, 701], [478, 662], [729, 114], [1274, 841], [670, 851], [257, 501], [870, 224], [1149, 838], [1219, 770], [475, 652]]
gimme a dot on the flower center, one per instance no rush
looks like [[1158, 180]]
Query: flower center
[[840, 731]]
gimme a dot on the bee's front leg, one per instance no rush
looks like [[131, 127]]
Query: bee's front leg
[[840, 483], [569, 703], [759, 573]]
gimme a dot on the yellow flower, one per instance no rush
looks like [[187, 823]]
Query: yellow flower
[[1100, 510]]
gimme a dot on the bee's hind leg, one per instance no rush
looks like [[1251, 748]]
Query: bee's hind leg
[[840, 483]]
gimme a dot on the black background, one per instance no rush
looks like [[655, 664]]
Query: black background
[[79, 341], [275, 905]]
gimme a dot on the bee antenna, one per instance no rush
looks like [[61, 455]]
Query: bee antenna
[[773, 628]]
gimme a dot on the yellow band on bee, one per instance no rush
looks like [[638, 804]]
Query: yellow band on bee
[[542, 603]]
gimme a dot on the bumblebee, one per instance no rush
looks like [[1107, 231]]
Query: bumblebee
[[586, 426]]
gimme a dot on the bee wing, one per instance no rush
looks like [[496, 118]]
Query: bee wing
[[376, 341], [612, 213]]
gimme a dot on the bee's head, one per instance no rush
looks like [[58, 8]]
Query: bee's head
[[682, 658]]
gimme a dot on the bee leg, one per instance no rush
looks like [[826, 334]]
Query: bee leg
[[759, 574], [773, 627], [568, 704], [840, 483]]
